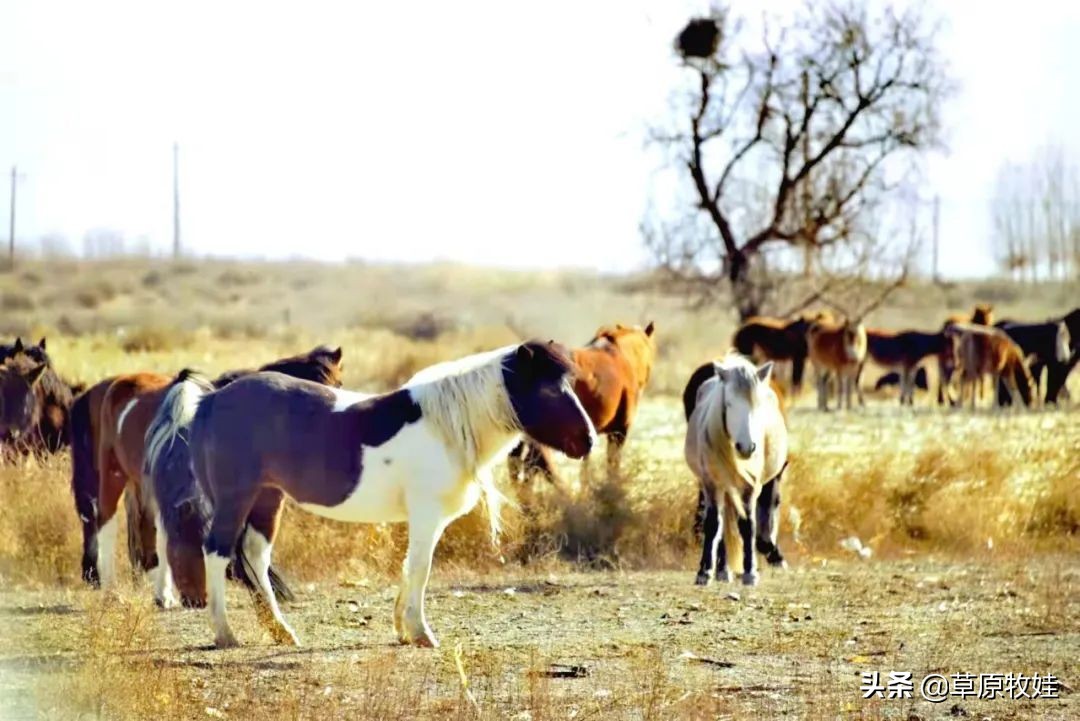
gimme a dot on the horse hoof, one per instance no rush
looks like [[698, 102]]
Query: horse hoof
[[226, 640], [702, 579], [749, 579], [425, 640], [723, 576]]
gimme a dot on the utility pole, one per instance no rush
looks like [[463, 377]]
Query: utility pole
[[176, 198], [11, 227], [937, 212]]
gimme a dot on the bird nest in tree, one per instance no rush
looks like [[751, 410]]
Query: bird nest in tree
[[699, 39]]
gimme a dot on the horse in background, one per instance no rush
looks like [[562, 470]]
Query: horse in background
[[1046, 345], [836, 348], [1057, 375], [985, 351], [34, 404], [36, 353], [776, 339], [108, 428], [981, 314], [736, 443], [421, 454], [905, 350], [612, 371], [892, 379]]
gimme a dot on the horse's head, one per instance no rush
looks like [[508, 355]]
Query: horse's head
[[1063, 343], [17, 349], [636, 343], [743, 388], [538, 379], [854, 333], [983, 314], [19, 404], [321, 364]]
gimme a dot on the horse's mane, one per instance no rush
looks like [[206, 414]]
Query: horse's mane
[[317, 365]]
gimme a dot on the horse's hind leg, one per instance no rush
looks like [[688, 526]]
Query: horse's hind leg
[[258, 541], [111, 489], [768, 523], [747, 531], [230, 516], [709, 542]]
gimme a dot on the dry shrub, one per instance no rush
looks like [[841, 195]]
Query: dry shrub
[[39, 533], [11, 302], [154, 339]]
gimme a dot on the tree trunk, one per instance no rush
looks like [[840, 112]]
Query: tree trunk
[[746, 295]]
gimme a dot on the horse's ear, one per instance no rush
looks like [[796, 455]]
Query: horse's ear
[[335, 355], [650, 328], [34, 375], [764, 371], [524, 353], [41, 343], [18, 345]]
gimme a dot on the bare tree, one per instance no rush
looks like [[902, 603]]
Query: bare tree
[[792, 141]]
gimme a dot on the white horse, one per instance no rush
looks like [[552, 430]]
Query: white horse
[[736, 443], [420, 454]]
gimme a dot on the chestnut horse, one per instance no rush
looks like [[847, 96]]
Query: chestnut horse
[[981, 314], [840, 348], [612, 371], [108, 429], [421, 454], [985, 351]]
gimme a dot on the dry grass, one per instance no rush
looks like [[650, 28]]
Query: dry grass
[[970, 513]]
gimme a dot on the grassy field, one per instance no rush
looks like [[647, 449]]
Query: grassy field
[[973, 521]]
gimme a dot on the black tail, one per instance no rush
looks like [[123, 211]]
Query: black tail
[[240, 570], [85, 484]]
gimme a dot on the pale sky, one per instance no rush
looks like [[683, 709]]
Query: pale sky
[[504, 133]]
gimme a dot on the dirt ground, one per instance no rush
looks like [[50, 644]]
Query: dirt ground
[[645, 645]]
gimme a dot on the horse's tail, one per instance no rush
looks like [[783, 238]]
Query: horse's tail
[[85, 484], [184, 506], [242, 571]]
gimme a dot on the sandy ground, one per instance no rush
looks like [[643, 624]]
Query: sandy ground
[[796, 645]]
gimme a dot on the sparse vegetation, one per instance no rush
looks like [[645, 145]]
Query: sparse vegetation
[[973, 521]]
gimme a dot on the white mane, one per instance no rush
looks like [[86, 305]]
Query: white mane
[[467, 405]]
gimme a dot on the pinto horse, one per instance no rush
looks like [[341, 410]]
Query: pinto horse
[[1048, 345], [836, 347], [612, 371], [904, 350], [736, 443], [108, 430], [421, 454], [34, 404]]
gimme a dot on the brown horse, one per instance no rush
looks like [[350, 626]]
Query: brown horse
[[612, 371], [904, 350], [983, 351], [837, 347], [777, 339], [981, 314], [34, 404], [109, 423]]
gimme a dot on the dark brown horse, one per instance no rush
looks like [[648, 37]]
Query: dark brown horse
[[777, 339], [34, 403], [981, 314], [108, 427], [904, 351], [612, 371]]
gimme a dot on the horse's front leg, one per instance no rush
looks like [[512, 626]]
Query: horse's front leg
[[768, 523], [748, 531], [615, 443], [822, 389], [426, 524]]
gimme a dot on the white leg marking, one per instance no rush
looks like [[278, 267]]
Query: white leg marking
[[215, 591], [425, 527], [257, 551], [162, 574], [107, 553]]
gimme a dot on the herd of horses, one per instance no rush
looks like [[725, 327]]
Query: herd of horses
[[204, 465]]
